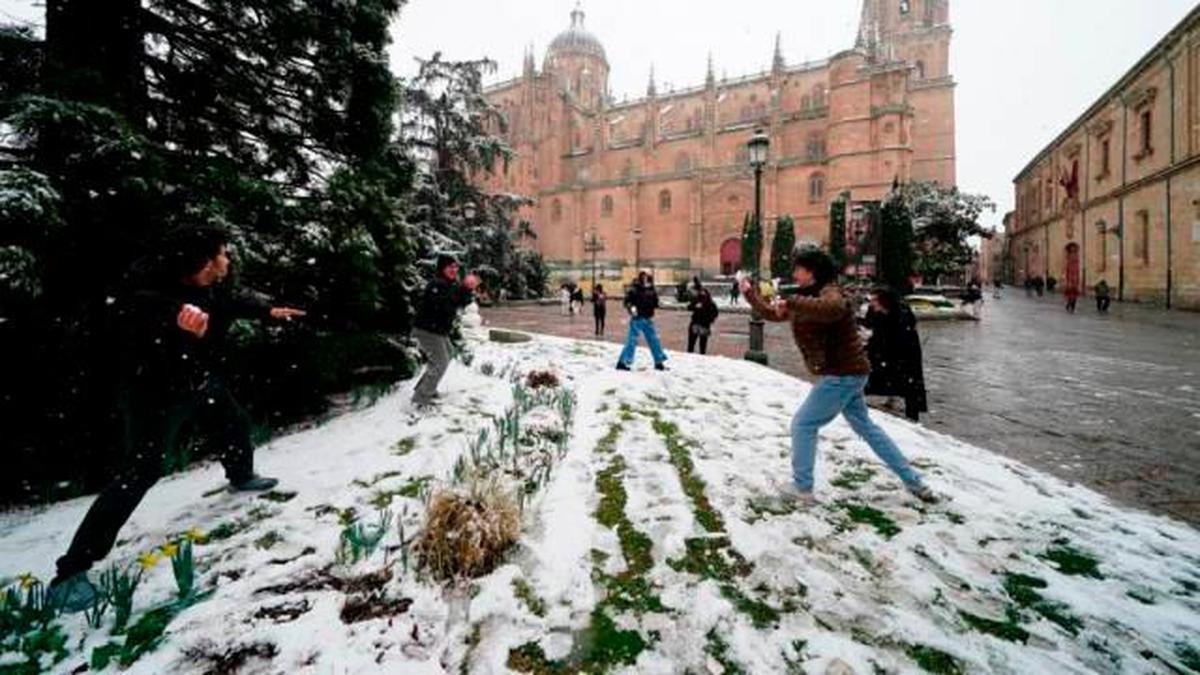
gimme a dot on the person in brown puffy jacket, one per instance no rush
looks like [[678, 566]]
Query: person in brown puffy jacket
[[825, 328]]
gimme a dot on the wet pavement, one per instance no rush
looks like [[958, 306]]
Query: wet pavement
[[1112, 402]]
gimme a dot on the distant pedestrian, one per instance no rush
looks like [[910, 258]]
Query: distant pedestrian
[[734, 292], [564, 298], [826, 331], [641, 302], [1039, 285], [704, 313], [1029, 287], [1071, 293], [444, 296], [599, 308], [997, 288], [577, 300], [894, 350], [973, 297], [1103, 297]]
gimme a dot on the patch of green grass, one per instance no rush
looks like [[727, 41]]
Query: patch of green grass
[[599, 648], [1143, 595], [525, 593], [374, 479], [762, 507], [610, 513], [1023, 590], [1189, 587], [628, 592], [237, 526], [268, 540], [411, 489], [866, 515], [851, 479], [693, 486], [1080, 513], [761, 614], [1188, 655], [711, 558], [956, 518], [404, 446], [1005, 630], [278, 496], [934, 660], [864, 558], [1072, 561], [718, 649]]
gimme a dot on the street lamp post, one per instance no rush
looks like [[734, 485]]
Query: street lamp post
[[593, 244], [758, 146]]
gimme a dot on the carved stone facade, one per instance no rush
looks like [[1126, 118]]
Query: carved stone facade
[[1131, 216], [664, 181]]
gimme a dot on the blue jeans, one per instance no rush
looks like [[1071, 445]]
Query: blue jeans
[[645, 327], [830, 396]]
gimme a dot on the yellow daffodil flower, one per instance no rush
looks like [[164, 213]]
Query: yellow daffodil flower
[[149, 559], [27, 580], [195, 536], [169, 549]]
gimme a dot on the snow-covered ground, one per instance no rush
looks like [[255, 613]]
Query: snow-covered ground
[[657, 546]]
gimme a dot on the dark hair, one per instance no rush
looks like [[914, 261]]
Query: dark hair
[[644, 277], [818, 262], [598, 289], [186, 250], [445, 260], [889, 298]]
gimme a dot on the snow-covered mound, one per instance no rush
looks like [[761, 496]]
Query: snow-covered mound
[[655, 544]]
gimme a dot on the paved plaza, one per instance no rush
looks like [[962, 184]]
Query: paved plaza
[[1112, 402]]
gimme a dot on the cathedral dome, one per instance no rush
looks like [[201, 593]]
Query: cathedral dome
[[576, 40]]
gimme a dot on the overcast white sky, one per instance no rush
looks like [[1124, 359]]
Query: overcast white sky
[[1025, 68]]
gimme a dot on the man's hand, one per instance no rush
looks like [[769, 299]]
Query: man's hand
[[471, 282], [286, 313], [193, 320]]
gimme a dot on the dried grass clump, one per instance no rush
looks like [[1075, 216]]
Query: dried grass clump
[[467, 535], [541, 378]]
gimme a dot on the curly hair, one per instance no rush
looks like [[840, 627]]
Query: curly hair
[[818, 262]]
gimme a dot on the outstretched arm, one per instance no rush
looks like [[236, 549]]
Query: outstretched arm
[[777, 312]]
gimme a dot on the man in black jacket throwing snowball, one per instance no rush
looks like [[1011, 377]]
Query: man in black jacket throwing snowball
[[173, 332], [440, 303]]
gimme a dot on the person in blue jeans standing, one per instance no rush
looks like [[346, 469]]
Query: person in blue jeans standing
[[826, 331], [641, 302]]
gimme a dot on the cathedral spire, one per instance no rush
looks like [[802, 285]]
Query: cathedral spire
[[651, 89], [577, 16], [777, 62], [869, 27], [710, 78]]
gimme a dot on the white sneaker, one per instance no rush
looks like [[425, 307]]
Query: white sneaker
[[801, 498]]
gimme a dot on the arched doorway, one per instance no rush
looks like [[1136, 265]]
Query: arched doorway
[[731, 256], [1071, 275]]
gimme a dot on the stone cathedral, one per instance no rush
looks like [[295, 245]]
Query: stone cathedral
[[663, 182]]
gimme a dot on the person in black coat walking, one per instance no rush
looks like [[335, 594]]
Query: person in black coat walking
[[599, 308], [439, 306], [895, 352], [173, 328], [704, 313]]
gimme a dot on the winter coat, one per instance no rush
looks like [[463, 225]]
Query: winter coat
[[440, 304], [825, 330], [703, 313], [599, 303], [895, 354], [161, 359], [1102, 290], [643, 299]]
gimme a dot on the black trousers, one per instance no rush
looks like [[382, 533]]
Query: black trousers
[[1102, 304], [693, 337], [600, 316], [152, 433]]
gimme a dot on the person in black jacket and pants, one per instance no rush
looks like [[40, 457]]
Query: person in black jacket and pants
[[704, 313], [440, 303], [599, 308], [895, 352], [173, 329]]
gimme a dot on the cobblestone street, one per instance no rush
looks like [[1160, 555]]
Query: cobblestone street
[[1112, 402]]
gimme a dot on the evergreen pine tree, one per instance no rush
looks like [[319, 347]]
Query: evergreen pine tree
[[752, 242], [837, 230], [781, 248]]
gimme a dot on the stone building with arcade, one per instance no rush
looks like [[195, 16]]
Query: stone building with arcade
[[663, 182]]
